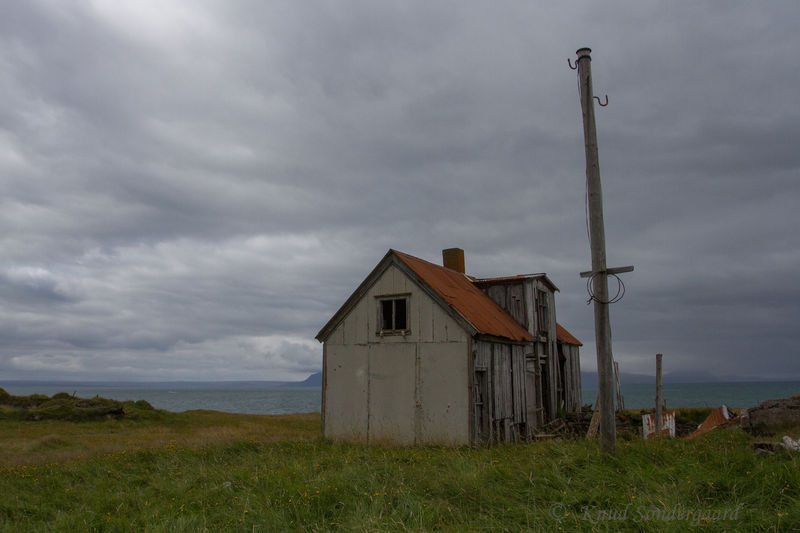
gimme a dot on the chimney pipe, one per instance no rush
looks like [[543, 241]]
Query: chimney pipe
[[453, 258]]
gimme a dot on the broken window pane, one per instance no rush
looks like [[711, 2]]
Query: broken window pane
[[386, 315], [400, 314]]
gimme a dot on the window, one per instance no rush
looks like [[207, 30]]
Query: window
[[542, 318], [393, 314]]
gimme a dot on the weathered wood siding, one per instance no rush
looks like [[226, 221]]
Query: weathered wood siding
[[557, 388], [550, 381], [411, 389], [503, 397], [532, 410], [511, 297], [573, 377]]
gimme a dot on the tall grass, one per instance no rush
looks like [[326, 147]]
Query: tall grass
[[261, 475], [26, 442]]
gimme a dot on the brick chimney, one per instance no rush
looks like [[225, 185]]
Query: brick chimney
[[453, 258]]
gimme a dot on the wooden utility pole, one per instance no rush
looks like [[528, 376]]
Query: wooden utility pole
[[659, 399], [599, 272]]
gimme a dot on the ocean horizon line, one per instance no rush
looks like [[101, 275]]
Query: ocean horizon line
[[95, 382], [272, 397], [175, 384]]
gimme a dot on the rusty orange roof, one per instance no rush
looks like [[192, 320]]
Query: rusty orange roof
[[464, 297], [565, 336], [458, 291]]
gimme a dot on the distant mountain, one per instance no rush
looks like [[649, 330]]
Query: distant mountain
[[314, 380], [590, 378]]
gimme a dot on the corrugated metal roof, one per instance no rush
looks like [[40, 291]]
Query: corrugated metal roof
[[468, 300], [565, 336], [457, 290]]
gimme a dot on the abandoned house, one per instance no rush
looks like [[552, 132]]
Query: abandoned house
[[425, 354]]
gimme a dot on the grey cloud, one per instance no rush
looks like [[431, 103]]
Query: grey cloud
[[200, 186]]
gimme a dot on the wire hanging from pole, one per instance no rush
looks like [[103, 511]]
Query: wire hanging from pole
[[590, 289]]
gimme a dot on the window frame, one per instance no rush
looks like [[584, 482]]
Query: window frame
[[394, 298], [542, 312]]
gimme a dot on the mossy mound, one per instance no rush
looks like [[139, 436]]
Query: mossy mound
[[64, 406]]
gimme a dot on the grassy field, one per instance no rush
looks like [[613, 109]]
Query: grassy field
[[53, 441], [209, 471]]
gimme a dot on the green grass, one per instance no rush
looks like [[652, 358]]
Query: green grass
[[24, 442], [207, 471], [693, 415]]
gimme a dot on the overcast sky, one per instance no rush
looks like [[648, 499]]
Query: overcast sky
[[191, 189]]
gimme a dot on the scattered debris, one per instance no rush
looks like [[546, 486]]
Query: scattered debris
[[765, 448], [722, 416], [556, 425], [684, 423], [769, 448], [577, 424], [572, 426], [790, 444], [667, 425]]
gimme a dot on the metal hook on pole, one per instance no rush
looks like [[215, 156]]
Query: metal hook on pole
[[601, 104], [569, 62]]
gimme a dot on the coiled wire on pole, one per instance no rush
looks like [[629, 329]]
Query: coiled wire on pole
[[590, 289]]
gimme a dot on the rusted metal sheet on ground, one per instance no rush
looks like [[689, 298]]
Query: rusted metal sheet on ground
[[667, 427], [718, 416]]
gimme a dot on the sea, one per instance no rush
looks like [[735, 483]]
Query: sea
[[255, 398], [735, 394], [231, 397]]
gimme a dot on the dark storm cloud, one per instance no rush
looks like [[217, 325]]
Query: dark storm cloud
[[191, 190]]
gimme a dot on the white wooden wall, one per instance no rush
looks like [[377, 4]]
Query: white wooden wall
[[411, 389]]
